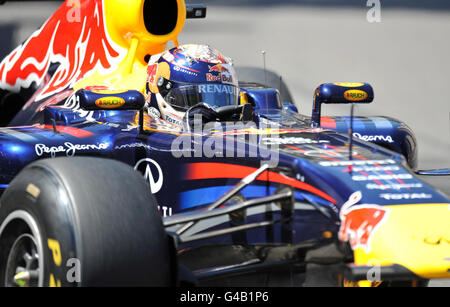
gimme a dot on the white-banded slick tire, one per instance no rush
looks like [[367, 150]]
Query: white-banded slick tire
[[82, 222]]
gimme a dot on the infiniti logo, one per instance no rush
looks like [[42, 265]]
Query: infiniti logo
[[436, 240], [145, 166]]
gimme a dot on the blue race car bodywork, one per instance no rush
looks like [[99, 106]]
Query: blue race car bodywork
[[289, 180], [187, 172]]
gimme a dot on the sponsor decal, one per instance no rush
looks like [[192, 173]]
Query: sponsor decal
[[355, 95], [171, 119], [357, 162], [401, 196], [130, 127], [133, 145], [213, 78], [216, 88], [382, 177], [264, 131], [360, 222], [154, 73], [151, 73], [390, 168], [110, 102], [327, 152], [112, 125], [220, 77], [183, 70], [219, 72], [154, 112], [374, 138], [291, 140], [437, 240], [393, 186], [165, 211], [349, 84], [68, 148], [145, 166]]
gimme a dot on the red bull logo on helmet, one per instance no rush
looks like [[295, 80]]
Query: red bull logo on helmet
[[219, 68], [360, 222], [78, 46], [220, 78], [220, 73]]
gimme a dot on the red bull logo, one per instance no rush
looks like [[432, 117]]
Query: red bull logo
[[78, 46], [221, 74], [218, 68], [359, 223]]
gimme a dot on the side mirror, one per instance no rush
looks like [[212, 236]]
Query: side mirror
[[110, 100], [339, 93]]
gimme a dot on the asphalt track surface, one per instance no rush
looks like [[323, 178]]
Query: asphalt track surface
[[405, 56]]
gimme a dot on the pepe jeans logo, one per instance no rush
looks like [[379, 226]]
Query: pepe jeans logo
[[68, 148], [145, 166]]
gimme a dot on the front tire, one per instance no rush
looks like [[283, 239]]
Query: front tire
[[82, 222]]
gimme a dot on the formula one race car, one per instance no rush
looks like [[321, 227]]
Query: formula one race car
[[96, 193]]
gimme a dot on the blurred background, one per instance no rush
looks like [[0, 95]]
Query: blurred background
[[404, 54]]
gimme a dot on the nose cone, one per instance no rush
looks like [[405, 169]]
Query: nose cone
[[416, 237]]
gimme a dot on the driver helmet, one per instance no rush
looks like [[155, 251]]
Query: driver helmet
[[187, 75]]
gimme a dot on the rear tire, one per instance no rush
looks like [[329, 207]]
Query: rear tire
[[84, 222]]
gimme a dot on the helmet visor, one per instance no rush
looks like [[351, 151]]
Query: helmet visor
[[184, 96]]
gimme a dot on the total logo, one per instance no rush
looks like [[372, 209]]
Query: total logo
[[152, 173], [401, 196], [437, 240]]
